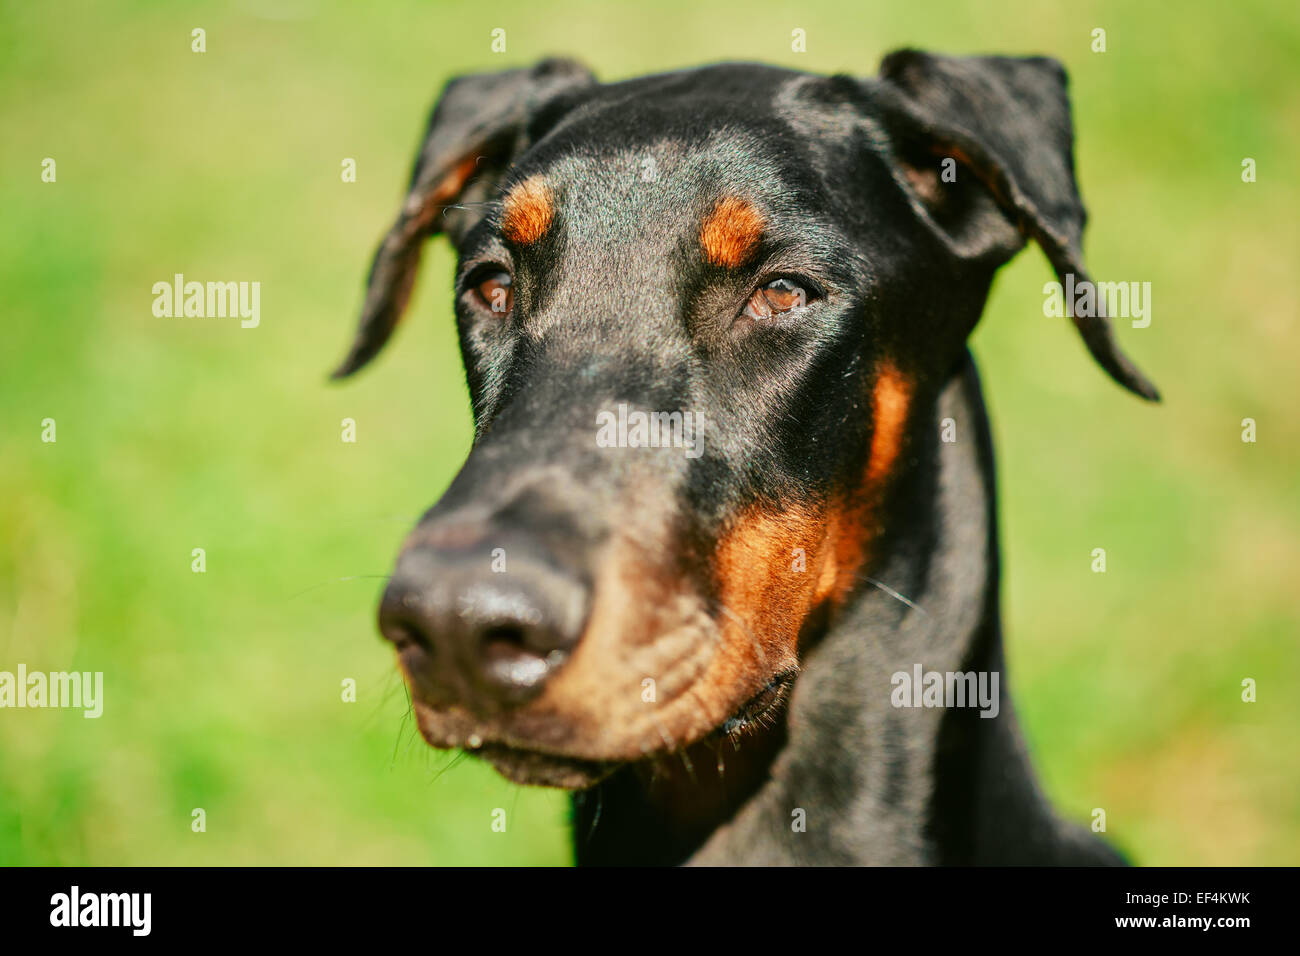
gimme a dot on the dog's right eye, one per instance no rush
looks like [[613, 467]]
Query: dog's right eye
[[777, 297], [494, 291]]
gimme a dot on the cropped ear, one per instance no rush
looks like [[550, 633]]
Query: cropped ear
[[1006, 122], [479, 125]]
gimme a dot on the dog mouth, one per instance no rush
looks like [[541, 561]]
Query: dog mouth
[[531, 766], [539, 769]]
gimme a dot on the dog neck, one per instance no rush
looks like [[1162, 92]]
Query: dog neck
[[846, 776]]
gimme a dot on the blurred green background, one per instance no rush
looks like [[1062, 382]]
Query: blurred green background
[[223, 688]]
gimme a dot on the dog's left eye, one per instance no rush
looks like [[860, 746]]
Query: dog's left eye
[[494, 291], [778, 296]]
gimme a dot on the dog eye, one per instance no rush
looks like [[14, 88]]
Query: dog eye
[[775, 298], [494, 291]]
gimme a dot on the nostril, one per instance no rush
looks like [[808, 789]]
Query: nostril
[[507, 659], [511, 634], [399, 622], [401, 636]]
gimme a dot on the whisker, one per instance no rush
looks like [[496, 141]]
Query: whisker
[[473, 205], [686, 762], [669, 743], [402, 725], [894, 594], [600, 805], [389, 688], [456, 759]]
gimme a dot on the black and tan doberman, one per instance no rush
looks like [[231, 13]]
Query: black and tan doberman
[[714, 325]]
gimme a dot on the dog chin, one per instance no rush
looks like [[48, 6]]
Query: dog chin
[[537, 769]]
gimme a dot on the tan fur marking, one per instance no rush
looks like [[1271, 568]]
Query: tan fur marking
[[758, 584], [854, 520], [731, 232], [889, 400], [528, 211], [753, 561]]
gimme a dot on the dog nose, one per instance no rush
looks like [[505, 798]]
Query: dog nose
[[484, 628]]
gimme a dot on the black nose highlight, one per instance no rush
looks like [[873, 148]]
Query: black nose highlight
[[476, 637]]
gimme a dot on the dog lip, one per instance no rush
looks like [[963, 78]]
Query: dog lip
[[483, 741], [528, 761], [531, 765], [772, 696], [539, 768]]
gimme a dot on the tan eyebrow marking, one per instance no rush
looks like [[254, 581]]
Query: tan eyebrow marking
[[528, 211], [730, 234]]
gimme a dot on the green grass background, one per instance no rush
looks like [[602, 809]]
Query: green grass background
[[223, 689]]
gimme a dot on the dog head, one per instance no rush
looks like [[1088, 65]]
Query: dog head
[[702, 316]]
